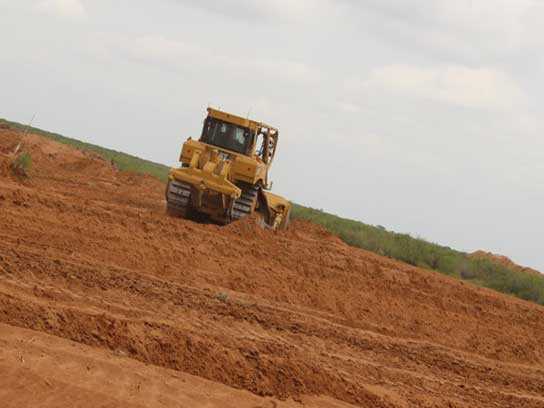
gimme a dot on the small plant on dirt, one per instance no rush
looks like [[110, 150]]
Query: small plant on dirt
[[22, 164], [222, 296]]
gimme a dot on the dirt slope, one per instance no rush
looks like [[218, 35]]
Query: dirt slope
[[54, 372], [503, 260], [88, 255]]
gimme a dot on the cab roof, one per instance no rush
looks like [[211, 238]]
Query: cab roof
[[238, 120]]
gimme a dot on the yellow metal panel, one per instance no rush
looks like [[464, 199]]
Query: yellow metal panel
[[237, 120], [276, 202], [190, 147], [203, 180], [229, 118], [279, 210], [243, 168]]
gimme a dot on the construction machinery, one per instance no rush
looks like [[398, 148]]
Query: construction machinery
[[224, 176]]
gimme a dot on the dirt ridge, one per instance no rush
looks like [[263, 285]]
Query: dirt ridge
[[87, 254]]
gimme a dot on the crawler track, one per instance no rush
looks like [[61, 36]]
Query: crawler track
[[245, 205], [178, 198]]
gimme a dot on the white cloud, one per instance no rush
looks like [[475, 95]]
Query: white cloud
[[484, 88], [466, 29], [161, 51], [348, 107], [316, 11], [499, 17], [263, 10], [62, 8]]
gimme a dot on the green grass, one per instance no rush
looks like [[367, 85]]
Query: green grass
[[403, 247], [22, 164]]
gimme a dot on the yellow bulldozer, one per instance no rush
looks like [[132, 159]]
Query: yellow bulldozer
[[224, 176]]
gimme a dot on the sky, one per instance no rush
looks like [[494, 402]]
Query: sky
[[423, 116]]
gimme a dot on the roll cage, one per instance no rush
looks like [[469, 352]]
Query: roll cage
[[240, 135]]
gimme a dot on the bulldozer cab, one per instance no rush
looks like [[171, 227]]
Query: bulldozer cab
[[239, 135], [226, 135]]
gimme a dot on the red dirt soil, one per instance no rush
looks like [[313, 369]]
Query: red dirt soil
[[504, 261], [167, 312]]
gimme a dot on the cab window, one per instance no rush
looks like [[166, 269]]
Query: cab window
[[226, 135]]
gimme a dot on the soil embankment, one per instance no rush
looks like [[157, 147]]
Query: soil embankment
[[169, 312]]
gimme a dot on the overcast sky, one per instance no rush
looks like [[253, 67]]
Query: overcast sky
[[424, 116]]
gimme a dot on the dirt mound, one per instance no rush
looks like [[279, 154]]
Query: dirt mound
[[9, 141], [87, 254], [5, 165], [502, 260], [251, 227]]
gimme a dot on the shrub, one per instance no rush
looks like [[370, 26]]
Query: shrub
[[22, 164]]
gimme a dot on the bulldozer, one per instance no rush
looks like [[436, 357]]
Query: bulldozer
[[224, 175]]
